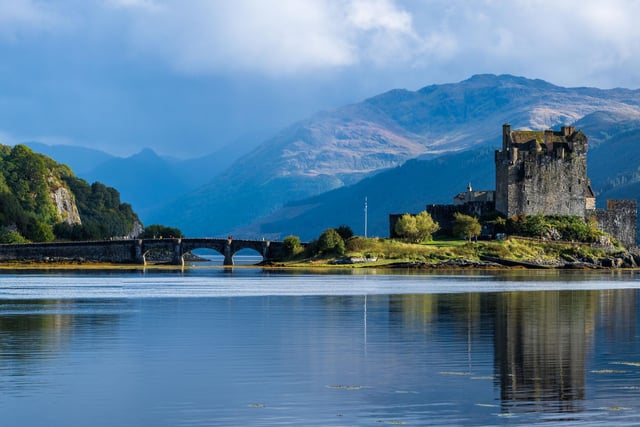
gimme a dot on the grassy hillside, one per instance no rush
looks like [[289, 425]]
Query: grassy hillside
[[514, 251]]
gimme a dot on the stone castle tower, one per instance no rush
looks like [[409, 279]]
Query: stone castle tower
[[543, 172]]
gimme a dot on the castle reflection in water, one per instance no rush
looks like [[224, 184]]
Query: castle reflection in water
[[542, 340]]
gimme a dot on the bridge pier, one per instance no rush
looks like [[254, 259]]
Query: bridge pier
[[228, 253], [138, 254], [177, 258]]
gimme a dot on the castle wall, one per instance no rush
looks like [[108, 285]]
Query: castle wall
[[619, 220], [393, 219], [444, 214], [541, 173], [552, 185]]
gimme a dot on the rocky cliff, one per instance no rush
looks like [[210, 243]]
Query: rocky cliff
[[65, 205]]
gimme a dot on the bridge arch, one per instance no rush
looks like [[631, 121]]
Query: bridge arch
[[248, 256], [229, 247]]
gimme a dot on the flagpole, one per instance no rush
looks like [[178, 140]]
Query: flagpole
[[366, 219]]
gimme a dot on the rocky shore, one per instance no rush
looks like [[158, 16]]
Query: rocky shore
[[627, 259]]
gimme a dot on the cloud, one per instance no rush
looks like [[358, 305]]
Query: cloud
[[568, 42], [378, 15], [587, 41], [276, 38], [25, 16]]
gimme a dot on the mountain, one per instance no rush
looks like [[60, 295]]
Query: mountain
[[146, 178], [613, 166], [80, 159], [407, 188], [336, 148]]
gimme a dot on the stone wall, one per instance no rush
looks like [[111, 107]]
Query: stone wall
[[116, 251], [619, 220], [393, 219], [541, 172], [444, 214]]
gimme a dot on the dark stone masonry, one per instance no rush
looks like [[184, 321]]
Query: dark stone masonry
[[135, 251], [541, 172]]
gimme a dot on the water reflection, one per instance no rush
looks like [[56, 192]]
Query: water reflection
[[461, 358], [541, 341], [34, 332]]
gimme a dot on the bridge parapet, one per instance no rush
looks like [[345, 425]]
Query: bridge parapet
[[134, 251]]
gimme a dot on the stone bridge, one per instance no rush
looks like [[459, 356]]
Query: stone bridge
[[135, 251]]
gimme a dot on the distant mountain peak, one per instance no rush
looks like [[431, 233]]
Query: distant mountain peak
[[507, 80], [146, 153]]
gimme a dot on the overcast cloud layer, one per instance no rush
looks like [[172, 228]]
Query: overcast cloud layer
[[188, 76]]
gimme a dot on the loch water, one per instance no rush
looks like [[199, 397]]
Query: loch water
[[253, 347]]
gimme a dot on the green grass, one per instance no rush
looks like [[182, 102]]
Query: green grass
[[516, 249]]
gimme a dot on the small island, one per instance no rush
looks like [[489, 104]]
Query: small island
[[542, 214]]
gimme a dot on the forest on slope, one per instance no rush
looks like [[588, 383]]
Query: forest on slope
[[42, 200]]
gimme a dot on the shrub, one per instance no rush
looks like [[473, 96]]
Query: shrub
[[555, 227], [330, 242], [291, 246]]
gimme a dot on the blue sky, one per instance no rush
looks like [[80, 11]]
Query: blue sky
[[186, 77]]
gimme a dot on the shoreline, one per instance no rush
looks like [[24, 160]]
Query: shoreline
[[488, 263]]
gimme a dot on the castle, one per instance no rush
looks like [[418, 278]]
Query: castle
[[541, 172]]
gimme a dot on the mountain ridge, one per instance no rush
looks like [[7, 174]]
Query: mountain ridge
[[342, 146]]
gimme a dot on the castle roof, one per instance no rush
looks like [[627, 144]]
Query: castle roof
[[525, 136], [531, 137]]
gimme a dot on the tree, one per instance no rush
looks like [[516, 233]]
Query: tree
[[406, 227], [416, 228], [426, 226], [330, 242], [345, 232], [11, 236], [37, 231], [291, 246], [156, 230], [466, 226]]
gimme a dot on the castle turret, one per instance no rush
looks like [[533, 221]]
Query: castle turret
[[506, 135], [548, 140], [567, 130]]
